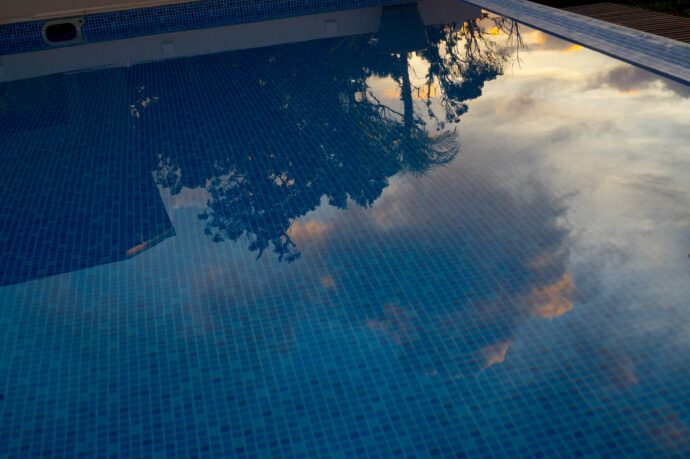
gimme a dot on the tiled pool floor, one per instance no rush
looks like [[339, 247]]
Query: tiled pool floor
[[368, 246]]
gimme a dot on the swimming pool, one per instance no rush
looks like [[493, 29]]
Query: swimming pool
[[458, 239]]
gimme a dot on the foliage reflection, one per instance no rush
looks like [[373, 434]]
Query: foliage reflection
[[324, 131]]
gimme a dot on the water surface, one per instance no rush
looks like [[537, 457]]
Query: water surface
[[464, 242]]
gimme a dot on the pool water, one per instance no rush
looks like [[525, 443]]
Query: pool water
[[445, 240]]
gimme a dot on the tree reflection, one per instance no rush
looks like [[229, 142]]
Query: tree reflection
[[323, 131], [461, 62]]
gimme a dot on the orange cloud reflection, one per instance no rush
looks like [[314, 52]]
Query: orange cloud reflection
[[572, 49], [309, 230], [422, 93], [495, 353], [553, 300]]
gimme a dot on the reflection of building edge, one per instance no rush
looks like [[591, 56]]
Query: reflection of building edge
[[137, 249], [73, 201]]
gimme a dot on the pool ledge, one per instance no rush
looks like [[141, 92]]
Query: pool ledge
[[661, 55]]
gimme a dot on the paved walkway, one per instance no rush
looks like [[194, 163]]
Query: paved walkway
[[664, 56], [673, 27]]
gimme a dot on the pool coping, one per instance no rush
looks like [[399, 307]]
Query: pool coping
[[669, 58]]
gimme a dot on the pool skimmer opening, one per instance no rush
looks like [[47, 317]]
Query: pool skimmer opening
[[63, 32]]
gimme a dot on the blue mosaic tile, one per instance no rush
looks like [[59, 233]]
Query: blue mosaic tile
[[363, 246], [117, 25]]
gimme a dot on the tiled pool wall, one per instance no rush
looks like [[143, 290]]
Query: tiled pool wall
[[115, 25]]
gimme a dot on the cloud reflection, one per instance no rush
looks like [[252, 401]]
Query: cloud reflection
[[553, 300], [629, 79], [480, 302]]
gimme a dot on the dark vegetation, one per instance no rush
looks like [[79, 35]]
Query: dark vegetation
[[673, 7]]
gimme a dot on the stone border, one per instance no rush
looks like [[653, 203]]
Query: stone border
[[664, 56]]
